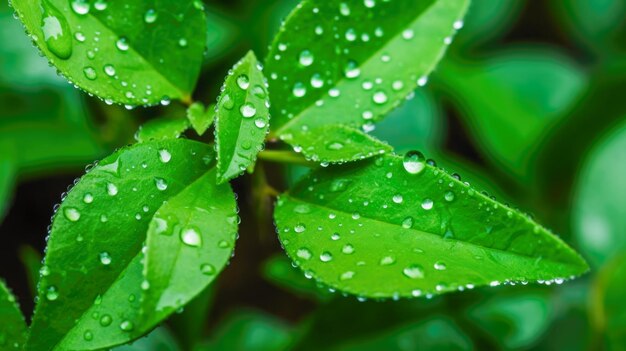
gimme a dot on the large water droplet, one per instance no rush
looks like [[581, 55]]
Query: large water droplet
[[306, 58], [379, 97], [90, 73], [122, 44], [414, 162], [160, 183], [243, 81], [56, 31], [347, 249], [299, 228], [150, 16], [80, 7], [164, 155], [427, 204], [191, 237], [112, 189], [247, 110], [71, 214], [106, 320], [326, 257], [304, 253], [413, 271]]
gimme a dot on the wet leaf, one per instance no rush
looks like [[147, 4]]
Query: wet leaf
[[512, 100], [351, 62], [161, 129], [278, 270], [134, 53], [338, 144], [13, 328], [242, 118], [160, 339], [91, 283], [190, 240], [414, 227], [200, 117], [598, 213]]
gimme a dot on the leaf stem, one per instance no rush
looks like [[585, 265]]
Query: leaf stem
[[288, 157]]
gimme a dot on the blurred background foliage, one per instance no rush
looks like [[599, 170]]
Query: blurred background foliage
[[527, 105]]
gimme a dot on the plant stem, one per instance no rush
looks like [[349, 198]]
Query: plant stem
[[288, 157]]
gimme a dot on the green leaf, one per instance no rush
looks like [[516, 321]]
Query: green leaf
[[200, 118], [250, 331], [598, 213], [161, 129], [93, 264], [241, 118], [13, 328], [133, 53], [159, 339], [278, 270], [488, 20], [31, 260], [338, 144], [510, 101], [351, 62], [414, 227], [438, 333], [610, 313], [516, 320], [190, 240], [7, 181]]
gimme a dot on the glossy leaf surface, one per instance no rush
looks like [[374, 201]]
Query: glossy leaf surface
[[352, 62], [13, 328], [415, 228], [161, 129], [242, 118], [135, 53], [93, 260]]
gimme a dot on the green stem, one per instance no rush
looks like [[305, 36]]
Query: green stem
[[288, 157]]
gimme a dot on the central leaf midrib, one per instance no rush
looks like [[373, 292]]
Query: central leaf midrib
[[342, 78], [330, 209]]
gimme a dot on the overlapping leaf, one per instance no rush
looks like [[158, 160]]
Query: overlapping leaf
[[161, 129], [13, 328], [242, 118], [200, 117], [414, 227], [134, 53], [352, 62], [91, 283]]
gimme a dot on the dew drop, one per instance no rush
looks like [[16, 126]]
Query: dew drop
[[449, 196], [397, 198], [247, 110], [347, 249], [299, 228], [408, 34], [122, 44], [127, 326], [440, 266], [306, 58], [379, 97], [80, 7], [427, 204], [260, 122], [71, 214], [150, 16], [326, 257], [413, 271], [106, 320], [109, 70], [191, 237], [160, 183], [105, 258], [299, 90], [90, 73], [414, 162], [387, 260], [407, 223], [304, 253], [56, 31], [52, 294], [111, 189], [165, 156], [100, 5], [346, 275], [243, 82]]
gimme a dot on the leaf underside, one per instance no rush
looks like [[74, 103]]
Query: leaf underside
[[353, 227]]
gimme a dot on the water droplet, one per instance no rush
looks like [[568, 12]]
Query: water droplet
[[165, 156], [182, 42], [344, 9], [387, 260], [440, 266], [44, 271], [109, 70], [299, 90], [408, 34], [369, 3], [111, 189], [80, 36], [122, 44], [207, 269], [227, 102], [90, 73], [414, 162], [335, 145], [347, 249], [306, 58], [352, 70], [52, 293], [379, 97], [304, 253], [397, 198], [326, 257], [100, 5], [71, 214], [150, 16], [160, 183], [106, 320], [413, 271], [56, 31], [299, 228], [247, 110], [427, 204], [191, 237], [80, 7], [243, 81], [407, 223], [88, 335], [346, 275], [335, 236], [260, 122], [449, 196], [422, 81], [127, 325]]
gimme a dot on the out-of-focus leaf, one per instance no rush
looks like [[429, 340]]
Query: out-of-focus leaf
[[158, 340], [190, 240], [610, 312], [438, 333], [221, 34], [279, 271], [516, 320], [327, 61], [338, 144], [598, 213], [200, 117], [161, 129], [93, 264], [13, 328], [510, 101], [188, 325], [7, 180], [31, 259], [596, 24], [137, 53], [241, 118], [487, 20], [250, 331], [414, 227]]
